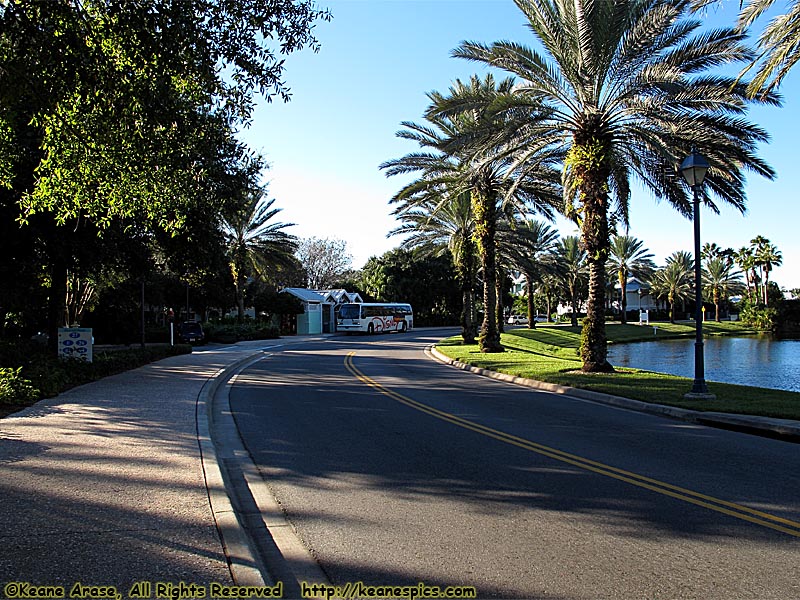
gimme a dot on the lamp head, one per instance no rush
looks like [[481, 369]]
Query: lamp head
[[694, 168]]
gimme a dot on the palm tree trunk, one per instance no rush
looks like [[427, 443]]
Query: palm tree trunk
[[529, 293], [623, 286], [498, 292], [485, 226], [594, 344], [467, 278], [590, 155], [573, 293], [240, 282]]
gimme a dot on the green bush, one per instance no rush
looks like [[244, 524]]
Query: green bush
[[15, 389], [228, 333], [759, 317]]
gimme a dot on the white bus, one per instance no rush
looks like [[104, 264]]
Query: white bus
[[374, 317]]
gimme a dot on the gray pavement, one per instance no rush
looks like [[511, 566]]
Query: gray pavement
[[105, 484], [118, 482]]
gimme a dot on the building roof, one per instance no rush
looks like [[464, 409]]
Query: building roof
[[339, 296], [633, 284], [304, 294]]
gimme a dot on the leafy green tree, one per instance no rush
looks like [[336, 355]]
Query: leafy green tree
[[625, 88], [427, 282], [133, 104], [255, 243], [117, 112], [628, 256]]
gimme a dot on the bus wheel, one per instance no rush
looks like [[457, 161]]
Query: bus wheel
[[371, 329]]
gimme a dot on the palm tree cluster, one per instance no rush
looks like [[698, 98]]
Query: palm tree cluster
[[756, 262], [621, 89]]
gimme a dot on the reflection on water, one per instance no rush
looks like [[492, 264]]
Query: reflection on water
[[755, 361]]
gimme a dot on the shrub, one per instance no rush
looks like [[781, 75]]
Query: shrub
[[228, 333], [15, 389], [758, 317]]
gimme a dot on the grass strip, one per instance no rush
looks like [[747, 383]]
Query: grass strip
[[549, 353]]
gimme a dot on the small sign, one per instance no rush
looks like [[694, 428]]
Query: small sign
[[75, 342]]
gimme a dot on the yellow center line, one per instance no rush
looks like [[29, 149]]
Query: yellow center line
[[716, 504]]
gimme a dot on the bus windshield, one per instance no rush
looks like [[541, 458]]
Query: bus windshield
[[350, 311]]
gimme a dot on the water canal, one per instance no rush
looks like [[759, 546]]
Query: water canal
[[754, 360]]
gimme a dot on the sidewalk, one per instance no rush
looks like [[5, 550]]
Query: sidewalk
[[104, 484]]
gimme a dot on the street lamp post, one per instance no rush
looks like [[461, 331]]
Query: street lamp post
[[693, 169]]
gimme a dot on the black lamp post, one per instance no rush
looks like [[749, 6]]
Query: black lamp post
[[693, 169]]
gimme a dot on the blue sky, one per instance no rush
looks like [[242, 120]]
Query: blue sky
[[378, 60]]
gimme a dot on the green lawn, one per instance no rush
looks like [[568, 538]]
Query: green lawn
[[549, 353]]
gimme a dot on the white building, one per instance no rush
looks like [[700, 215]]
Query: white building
[[637, 294]]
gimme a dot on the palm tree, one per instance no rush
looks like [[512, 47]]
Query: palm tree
[[720, 281], [673, 282], [766, 256], [446, 225], [254, 243], [746, 260], [623, 90], [550, 288], [528, 247], [628, 256], [459, 161], [574, 272], [778, 43]]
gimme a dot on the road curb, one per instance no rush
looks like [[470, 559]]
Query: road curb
[[244, 566], [261, 545], [782, 429]]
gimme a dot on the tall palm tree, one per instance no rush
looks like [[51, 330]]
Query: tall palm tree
[[574, 271], [686, 261], [767, 256], [673, 283], [720, 281], [529, 247], [623, 89], [446, 225], [460, 158], [254, 243], [746, 260], [628, 256]]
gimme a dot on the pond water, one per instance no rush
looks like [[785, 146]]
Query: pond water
[[755, 361]]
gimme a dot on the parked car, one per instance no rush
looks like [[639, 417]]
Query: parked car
[[540, 319], [517, 320], [191, 332]]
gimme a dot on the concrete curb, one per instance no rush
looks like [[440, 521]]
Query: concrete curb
[[244, 566], [260, 544], [782, 429]]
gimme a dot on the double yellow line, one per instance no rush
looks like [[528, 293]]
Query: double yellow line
[[721, 506]]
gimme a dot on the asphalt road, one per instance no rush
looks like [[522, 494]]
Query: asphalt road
[[395, 469]]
